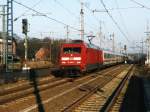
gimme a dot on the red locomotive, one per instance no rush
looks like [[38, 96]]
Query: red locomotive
[[79, 56]]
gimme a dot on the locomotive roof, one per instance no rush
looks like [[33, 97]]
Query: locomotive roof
[[89, 45]]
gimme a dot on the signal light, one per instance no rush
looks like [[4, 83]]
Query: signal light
[[125, 47], [24, 26]]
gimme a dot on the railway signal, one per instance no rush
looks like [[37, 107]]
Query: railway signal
[[24, 26], [25, 31], [125, 47]]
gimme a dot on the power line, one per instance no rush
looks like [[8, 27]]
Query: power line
[[73, 14], [111, 9], [27, 10], [114, 21], [121, 16], [143, 6], [90, 11], [124, 8], [60, 4], [58, 21]]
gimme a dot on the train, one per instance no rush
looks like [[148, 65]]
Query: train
[[78, 56]]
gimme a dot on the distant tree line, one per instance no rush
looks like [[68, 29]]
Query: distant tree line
[[34, 44]]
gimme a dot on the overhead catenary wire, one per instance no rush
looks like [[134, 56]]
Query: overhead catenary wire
[[72, 14], [53, 19], [94, 17], [90, 11], [114, 21], [27, 10], [122, 19], [143, 6], [111, 9]]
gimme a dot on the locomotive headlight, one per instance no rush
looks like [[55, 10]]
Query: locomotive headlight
[[65, 58], [77, 58], [78, 62]]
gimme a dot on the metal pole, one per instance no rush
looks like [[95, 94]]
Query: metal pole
[[4, 34], [9, 36], [67, 33], [100, 33], [148, 54], [120, 47], [148, 42], [113, 39], [142, 47], [113, 42], [26, 47], [82, 21]]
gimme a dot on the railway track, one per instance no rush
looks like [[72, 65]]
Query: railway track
[[56, 94], [26, 89], [24, 84], [75, 92], [115, 100], [96, 100]]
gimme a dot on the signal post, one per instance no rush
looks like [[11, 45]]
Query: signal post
[[25, 32]]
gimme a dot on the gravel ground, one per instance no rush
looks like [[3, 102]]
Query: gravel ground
[[96, 102], [59, 103], [54, 105]]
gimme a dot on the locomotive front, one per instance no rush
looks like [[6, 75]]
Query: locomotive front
[[72, 57]]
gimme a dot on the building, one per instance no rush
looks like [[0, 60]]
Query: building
[[42, 54], [11, 49]]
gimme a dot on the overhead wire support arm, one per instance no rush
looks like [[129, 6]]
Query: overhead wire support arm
[[90, 11]]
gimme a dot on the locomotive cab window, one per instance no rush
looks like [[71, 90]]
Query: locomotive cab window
[[72, 50]]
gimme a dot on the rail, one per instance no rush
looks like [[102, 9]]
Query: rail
[[112, 99]]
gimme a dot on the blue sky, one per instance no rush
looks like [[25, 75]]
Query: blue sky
[[132, 21]]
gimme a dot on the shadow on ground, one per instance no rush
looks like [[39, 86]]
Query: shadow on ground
[[34, 83], [134, 98]]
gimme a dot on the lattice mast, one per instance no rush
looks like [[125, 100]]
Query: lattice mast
[[9, 44]]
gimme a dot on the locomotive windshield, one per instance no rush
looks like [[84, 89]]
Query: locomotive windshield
[[69, 50]]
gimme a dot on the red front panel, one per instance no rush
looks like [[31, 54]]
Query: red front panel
[[86, 57], [73, 55]]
